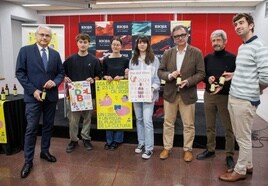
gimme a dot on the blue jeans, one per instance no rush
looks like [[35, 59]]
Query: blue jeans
[[144, 124], [114, 136]]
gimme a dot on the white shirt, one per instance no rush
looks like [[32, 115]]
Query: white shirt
[[180, 57]]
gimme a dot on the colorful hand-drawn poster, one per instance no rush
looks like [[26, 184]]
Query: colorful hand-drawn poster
[[114, 111], [140, 89], [80, 96], [3, 134]]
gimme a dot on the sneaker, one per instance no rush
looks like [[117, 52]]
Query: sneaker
[[139, 149], [114, 146], [107, 146], [87, 145], [147, 154], [71, 146]]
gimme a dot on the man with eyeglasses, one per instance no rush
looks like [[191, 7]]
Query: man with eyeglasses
[[39, 70], [186, 62]]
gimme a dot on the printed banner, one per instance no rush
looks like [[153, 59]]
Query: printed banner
[[88, 28], [158, 32], [122, 28], [140, 86], [80, 96], [114, 111], [161, 28], [3, 134]]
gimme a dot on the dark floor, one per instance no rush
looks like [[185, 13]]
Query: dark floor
[[123, 167]]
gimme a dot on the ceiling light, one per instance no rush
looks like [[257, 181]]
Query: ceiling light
[[30, 5], [174, 1]]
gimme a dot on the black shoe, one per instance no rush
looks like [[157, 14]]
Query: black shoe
[[204, 155], [87, 145], [71, 146], [26, 169], [230, 163], [107, 146], [114, 146], [47, 156]]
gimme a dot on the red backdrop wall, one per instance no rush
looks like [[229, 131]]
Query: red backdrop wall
[[202, 26]]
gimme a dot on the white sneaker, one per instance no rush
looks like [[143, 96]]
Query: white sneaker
[[139, 149], [147, 154]]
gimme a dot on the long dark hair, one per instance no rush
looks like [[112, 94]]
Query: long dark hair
[[149, 57]]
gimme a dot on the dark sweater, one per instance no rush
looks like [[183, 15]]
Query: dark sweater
[[79, 68], [115, 66], [215, 64]]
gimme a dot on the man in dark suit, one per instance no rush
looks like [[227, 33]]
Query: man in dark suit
[[186, 62], [39, 70]]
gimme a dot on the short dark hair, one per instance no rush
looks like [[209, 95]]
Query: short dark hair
[[179, 27], [116, 38], [83, 36], [248, 18]]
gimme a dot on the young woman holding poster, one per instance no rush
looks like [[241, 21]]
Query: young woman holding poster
[[144, 59], [114, 67]]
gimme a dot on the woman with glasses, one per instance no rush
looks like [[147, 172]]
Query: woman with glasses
[[144, 59]]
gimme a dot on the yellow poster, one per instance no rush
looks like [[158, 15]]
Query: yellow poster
[[114, 111], [3, 134], [53, 43]]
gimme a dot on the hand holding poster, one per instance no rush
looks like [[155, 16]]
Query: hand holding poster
[[114, 111], [80, 96], [140, 86]]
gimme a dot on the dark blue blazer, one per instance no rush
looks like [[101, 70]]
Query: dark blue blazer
[[31, 73]]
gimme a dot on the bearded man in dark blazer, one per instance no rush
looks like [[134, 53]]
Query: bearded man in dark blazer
[[40, 71], [186, 62]]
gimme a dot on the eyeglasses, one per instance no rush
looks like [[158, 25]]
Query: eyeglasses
[[44, 35], [180, 36]]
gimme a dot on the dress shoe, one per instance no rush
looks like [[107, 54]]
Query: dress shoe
[[26, 169], [164, 154], [188, 156], [232, 176], [47, 156], [230, 163], [206, 154]]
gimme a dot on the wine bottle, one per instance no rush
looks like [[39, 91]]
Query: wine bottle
[[221, 80], [44, 94], [7, 90], [3, 94], [212, 87], [15, 91], [178, 81]]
